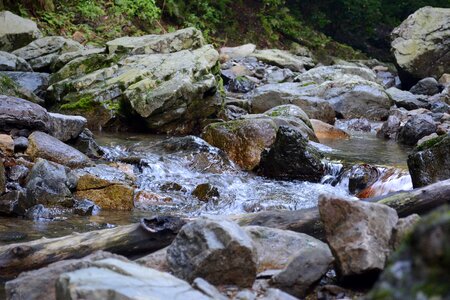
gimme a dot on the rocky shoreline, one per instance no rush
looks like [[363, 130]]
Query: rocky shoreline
[[233, 112]]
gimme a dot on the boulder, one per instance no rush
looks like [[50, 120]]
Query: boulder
[[47, 184], [171, 92], [227, 53], [271, 95], [10, 62], [359, 234], [419, 270], [41, 284], [275, 247], [2, 177], [242, 140], [9, 203], [42, 145], [417, 127], [19, 113], [16, 32], [205, 192], [65, 128], [427, 86], [184, 39], [430, 161], [321, 74], [43, 52], [217, 250], [9, 87], [6, 144], [407, 99], [284, 59], [327, 131], [80, 55], [34, 82], [421, 45], [291, 157]]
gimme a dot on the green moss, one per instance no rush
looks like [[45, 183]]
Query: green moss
[[431, 143], [84, 103]]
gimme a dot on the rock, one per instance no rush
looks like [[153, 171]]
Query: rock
[[427, 86], [184, 39], [10, 62], [40, 284], [47, 184], [19, 113], [217, 250], [284, 59], [156, 260], [305, 268], [9, 203], [403, 228], [242, 140], [327, 131], [106, 187], [16, 32], [276, 247], [86, 144], [79, 62], [407, 99], [322, 74], [208, 289], [205, 192], [44, 52], [427, 138], [430, 161], [291, 157], [416, 128], [271, 95], [42, 145], [289, 111], [277, 75], [419, 270], [241, 84], [6, 144], [227, 53], [445, 79], [2, 177], [66, 128], [9, 87], [276, 294], [172, 92], [361, 177], [420, 45], [34, 82], [358, 233], [86, 208]]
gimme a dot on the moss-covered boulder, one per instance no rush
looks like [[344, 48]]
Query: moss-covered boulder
[[9, 87], [419, 269], [284, 59], [430, 161]]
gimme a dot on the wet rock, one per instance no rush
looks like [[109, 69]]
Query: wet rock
[[359, 234], [42, 53], [9, 87], [6, 144], [360, 177], [184, 39], [65, 128], [34, 82], [227, 53], [284, 59], [145, 199], [305, 268], [427, 86], [241, 84], [276, 247], [2, 177], [430, 161], [390, 128], [39, 212], [42, 145], [291, 157], [171, 186], [271, 95], [217, 250], [9, 203], [242, 140], [48, 185], [10, 62], [418, 47], [321, 74], [205, 192], [18, 173], [419, 270], [407, 99], [19, 113], [416, 128], [40, 284], [86, 208], [20, 144], [289, 111], [106, 192], [16, 32], [86, 144], [327, 131]]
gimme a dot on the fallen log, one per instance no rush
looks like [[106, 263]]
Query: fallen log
[[151, 235]]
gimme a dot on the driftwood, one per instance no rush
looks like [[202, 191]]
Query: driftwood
[[134, 239]]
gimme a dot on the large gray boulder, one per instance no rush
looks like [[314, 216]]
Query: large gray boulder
[[417, 127], [427, 86], [421, 45], [117, 279], [217, 250], [184, 39], [42, 145], [34, 82], [42, 53], [284, 59], [407, 99], [430, 161], [10, 62], [16, 32], [65, 128], [321, 74], [19, 113], [359, 234]]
